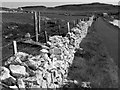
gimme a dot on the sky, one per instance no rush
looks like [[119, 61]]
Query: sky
[[50, 3]]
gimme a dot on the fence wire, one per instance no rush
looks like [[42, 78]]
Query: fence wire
[[11, 44]]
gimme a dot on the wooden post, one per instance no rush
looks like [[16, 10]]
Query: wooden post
[[68, 24], [74, 22], [36, 27], [77, 21], [39, 28], [59, 28], [15, 47], [46, 39]]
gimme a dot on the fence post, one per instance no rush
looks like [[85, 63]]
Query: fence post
[[46, 39], [15, 47], [77, 21], [36, 26], [59, 28], [39, 22], [74, 22], [68, 24]]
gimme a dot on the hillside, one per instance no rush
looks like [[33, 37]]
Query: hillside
[[83, 7], [92, 6]]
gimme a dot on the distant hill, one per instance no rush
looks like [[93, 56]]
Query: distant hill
[[82, 7], [91, 6], [4, 8], [33, 8]]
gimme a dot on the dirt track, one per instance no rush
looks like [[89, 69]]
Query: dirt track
[[109, 35]]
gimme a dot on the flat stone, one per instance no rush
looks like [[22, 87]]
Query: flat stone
[[44, 51], [56, 51], [18, 70], [14, 87]]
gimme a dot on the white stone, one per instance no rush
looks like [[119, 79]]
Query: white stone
[[5, 73], [21, 84], [44, 51], [39, 77], [18, 70], [86, 84], [44, 84], [75, 81], [14, 87], [49, 79]]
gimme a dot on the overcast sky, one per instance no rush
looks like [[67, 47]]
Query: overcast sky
[[50, 3]]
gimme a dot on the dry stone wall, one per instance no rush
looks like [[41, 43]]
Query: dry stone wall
[[49, 69]]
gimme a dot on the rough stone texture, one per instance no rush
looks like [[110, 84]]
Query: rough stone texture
[[49, 71], [5, 74], [18, 70]]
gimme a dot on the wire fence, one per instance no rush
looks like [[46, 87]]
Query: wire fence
[[11, 54], [16, 41], [11, 43]]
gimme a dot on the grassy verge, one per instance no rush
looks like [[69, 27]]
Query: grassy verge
[[93, 64]]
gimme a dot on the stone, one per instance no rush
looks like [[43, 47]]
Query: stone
[[56, 51], [49, 80], [4, 73], [13, 87], [44, 84], [49, 43], [39, 77], [23, 56], [27, 35], [32, 64], [12, 81], [45, 56], [52, 86], [59, 57], [30, 71], [18, 70], [44, 51], [35, 87], [76, 82], [21, 84], [13, 60], [86, 84]]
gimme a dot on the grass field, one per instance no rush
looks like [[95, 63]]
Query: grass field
[[109, 35], [27, 18]]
